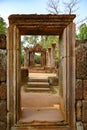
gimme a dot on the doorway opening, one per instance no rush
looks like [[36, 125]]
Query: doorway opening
[[37, 59], [62, 26], [40, 100]]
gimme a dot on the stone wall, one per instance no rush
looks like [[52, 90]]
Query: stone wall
[[81, 84], [3, 88]]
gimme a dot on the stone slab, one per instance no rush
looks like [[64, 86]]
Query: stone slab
[[3, 91], [84, 111], [37, 89], [2, 125], [41, 115], [43, 127], [38, 84], [79, 89], [3, 111], [85, 89], [79, 110], [81, 62]]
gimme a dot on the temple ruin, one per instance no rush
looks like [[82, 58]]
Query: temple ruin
[[47, 56], [63, 26]]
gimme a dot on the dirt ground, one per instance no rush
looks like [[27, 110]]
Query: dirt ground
[[40, 106]]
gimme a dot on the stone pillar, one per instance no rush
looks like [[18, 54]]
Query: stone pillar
[[49, 57], [53, 55], [32, 59], [43, 59], [26, 57]]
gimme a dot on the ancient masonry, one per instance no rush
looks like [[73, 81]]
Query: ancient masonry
[[80, 89], [47, 56], [3, 85], [81, 83]]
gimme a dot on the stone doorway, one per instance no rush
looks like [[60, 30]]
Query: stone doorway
[[37, 59], [61, 25], [40, 93]]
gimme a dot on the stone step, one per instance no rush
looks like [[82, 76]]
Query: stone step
[[37, 71], [38, 80], [38, 84], [37, 89], [42, 127]]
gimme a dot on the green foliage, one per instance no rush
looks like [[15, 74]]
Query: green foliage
[[82, 35], [46, 41], [37, 58], [29, 41], [2, 26]]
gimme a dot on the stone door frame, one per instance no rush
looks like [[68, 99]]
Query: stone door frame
[[61, 25]]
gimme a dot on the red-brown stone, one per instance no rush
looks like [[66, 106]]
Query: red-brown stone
[[2, 126], [3, 111], [3, 91], [2, 41], [85, 89], [84, 111], [78, 89], [81, 62]]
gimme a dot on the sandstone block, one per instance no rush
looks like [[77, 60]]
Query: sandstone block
[[24, 75], [2, 75], [53, 81], [3, 91], [79, 110], [78, 89], [2, 126], [81, 62], [85, 126], [2, 41], [84, 111], [85, 89], [3, 111], [3, 65]]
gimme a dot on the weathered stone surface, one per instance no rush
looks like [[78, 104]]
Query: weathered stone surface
[[53, 81], [3, 91], [78, 89], [81, 62], [84, 111], [3, 111], [24, 75], [2, 75], [79, 125], [2, 126], [85, 89], [2, 65], [79, 110], [85, 126], [2, 41]]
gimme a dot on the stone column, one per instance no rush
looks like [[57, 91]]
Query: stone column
[[49, 57], [32, 59], [43, 59], [26, 57], [53, 55]]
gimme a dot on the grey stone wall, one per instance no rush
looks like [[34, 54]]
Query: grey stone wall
[[3, 86], [81, 82]]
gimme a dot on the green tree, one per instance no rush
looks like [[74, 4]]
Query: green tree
[[2, 26], [82, 35], [29, 41]]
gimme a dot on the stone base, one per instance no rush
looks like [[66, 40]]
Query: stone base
[[42, 127]]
